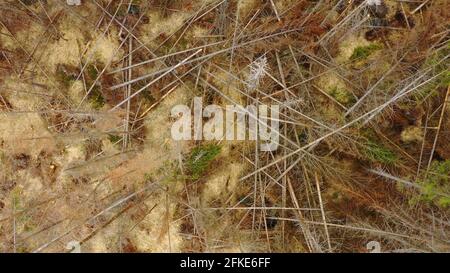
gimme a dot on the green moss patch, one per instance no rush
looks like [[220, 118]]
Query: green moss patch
[[435, 186], [363, 52], [200, 159], [376, 152]]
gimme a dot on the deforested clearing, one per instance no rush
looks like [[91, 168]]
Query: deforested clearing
[[89, 94]]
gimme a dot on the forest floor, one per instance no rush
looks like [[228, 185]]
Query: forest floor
[[87, 157]]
